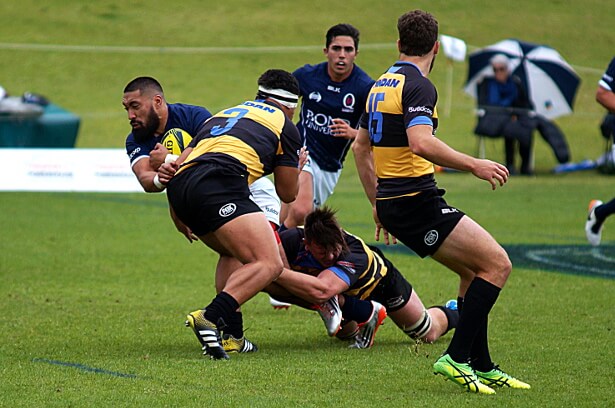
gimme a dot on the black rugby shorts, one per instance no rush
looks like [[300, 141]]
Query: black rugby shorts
[[205, 197], [422, 221]]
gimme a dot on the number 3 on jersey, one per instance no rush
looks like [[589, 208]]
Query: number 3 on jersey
[[230, 122], [375, 117]]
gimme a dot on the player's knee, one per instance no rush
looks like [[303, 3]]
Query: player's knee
[[503, 265]]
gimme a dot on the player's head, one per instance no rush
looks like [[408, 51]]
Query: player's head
[[324, 237], [341, 48], [144, 101], [418, 34], [281, 87]]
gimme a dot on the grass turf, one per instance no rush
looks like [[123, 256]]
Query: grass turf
[[95, 287]]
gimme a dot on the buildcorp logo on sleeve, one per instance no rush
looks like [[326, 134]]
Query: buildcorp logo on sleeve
[[227, 209]]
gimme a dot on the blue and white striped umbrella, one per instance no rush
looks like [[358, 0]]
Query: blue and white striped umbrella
[[550, 81]]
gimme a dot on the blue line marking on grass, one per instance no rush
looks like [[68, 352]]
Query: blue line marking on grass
[[83, 367], [572, 259]]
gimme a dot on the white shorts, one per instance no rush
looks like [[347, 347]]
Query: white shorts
[[264, 195], [324, 182]]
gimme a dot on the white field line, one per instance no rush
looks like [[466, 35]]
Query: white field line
[[207, 50]]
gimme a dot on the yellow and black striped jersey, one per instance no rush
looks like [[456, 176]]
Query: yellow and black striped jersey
[[401, 98], [255, 136], [360, 267]]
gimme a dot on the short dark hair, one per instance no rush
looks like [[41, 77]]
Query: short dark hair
[[418, 32], [144, 83], [278, 79], [321, 227], [342, 29]]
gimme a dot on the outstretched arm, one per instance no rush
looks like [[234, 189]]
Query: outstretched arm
[[423, 143]]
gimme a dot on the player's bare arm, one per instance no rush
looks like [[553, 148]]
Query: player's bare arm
[[315, 289], [423, 143], [286, 180], [181, 227], [364, 160], [146, 174]]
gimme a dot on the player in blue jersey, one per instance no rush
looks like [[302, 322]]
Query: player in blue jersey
[[395, 152], [333, 95], [151, 117], [208, 190]]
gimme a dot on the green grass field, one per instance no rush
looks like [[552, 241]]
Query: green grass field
[[95, 287]]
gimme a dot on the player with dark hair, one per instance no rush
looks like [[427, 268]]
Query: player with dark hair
[[208, 190], [333, 96], [151, 117], [326, 261], [395, 153]]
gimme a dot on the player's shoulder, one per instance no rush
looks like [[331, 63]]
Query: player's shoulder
[[309, 69], [184, 107]]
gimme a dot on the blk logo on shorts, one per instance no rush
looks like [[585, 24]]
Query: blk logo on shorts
[[227, 209], [431, 237]]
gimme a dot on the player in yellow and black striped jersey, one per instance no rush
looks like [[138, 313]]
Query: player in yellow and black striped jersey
[[209, 196], [394, 151], [326, 260], [251, 138], [401, 98]]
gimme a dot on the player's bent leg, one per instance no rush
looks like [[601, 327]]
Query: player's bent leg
[[469, 247], [249, 239]]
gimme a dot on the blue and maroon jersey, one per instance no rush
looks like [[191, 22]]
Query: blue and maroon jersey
[[323, 100]]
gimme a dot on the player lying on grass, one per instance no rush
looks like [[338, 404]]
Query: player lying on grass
[[325, 261]]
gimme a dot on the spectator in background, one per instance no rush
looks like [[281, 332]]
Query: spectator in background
[[505, 110], [496, 96], [598, 212]]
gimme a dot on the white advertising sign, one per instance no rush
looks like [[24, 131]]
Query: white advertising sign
[[87, 170]]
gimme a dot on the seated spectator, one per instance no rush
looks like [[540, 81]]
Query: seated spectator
[[506, 111]]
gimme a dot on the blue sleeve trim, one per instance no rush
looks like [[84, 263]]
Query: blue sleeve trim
[[420, 120], [340, 274]]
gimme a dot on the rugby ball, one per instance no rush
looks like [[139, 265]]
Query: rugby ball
[[176, 140]]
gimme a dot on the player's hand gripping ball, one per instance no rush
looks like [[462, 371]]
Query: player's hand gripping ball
[[176, 140]]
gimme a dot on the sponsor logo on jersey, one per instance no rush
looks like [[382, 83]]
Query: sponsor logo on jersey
[[272, 210], [449, 210], [333, 88], [315, 96], [425, 109], [135, 151], [348, 102], [227, 210], [431, 237], [318, 121], [394, 302]]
